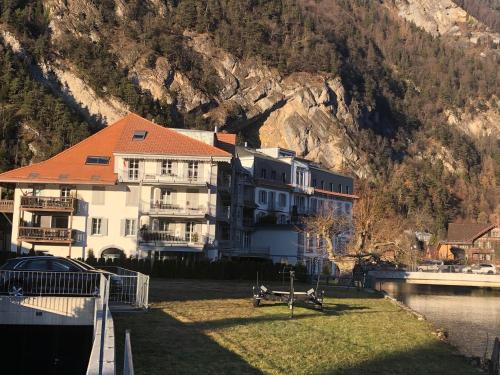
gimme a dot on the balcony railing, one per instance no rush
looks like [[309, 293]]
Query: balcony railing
[[48, 203], [174, 179], [168, 237], [171, 209], [30, 234], [6, 206]]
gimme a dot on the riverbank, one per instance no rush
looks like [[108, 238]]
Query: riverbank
[[211, 328]]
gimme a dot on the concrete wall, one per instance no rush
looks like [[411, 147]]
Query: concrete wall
[[40, 310], [458, 279]]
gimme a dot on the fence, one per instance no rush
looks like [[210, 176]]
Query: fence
[[35, 283], [128, 287]]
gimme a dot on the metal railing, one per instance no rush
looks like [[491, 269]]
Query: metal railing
[[171, 209], [168, 237], [128, 287], [38, 283], [45, 234], [6, 206], [49, 203]]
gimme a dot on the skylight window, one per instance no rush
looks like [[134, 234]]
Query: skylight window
[[97, 160], [139, 135]]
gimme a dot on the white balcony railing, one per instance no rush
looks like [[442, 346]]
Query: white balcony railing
[[167, 209], [174, 179]]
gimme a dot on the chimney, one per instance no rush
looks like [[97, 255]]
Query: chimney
[[216, 130]]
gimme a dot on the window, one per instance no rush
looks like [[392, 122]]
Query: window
[[314, 182], [339, 188], [65, 192], [97, 160], [190, 233], [273, 175], [283, 177], [263, 197], [60, 221], [133, 169], [130, 227], [165, 196], [139, 135], [263, 173], [98, 226], [34, 265], [246, 240], [331, 186], [193, 170], [300, 177], [347, 189], [282, 219], [322, 185], [166, 167], [63, 266], [282, 200]]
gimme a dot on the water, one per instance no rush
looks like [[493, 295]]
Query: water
[[471, 316]]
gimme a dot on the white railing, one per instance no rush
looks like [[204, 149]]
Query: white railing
[[129, 287], [171, 209], [175, 179], [38, 283]]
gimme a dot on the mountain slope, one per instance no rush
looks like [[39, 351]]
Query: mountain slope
[[348, 83]]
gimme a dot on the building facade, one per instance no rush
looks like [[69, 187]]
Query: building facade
[[131, 189], [472, 243], [136, 188], [274, 191]]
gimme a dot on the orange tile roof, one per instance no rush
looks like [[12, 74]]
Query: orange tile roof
[[69, 166], [227, 138]]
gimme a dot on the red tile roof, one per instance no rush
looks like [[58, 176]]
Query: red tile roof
[[69, 166], [160, 140]]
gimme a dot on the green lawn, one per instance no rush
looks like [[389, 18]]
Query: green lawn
[[208, 327]]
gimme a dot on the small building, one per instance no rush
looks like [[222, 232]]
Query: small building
[[472, 243]]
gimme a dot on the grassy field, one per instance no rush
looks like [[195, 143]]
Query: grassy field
[[205, 327]]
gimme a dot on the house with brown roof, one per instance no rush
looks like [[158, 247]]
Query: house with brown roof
[[471, 242], [132, 188]]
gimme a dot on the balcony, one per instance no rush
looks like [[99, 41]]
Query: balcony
[[167, 209], [6, 206], [166, 179], [46, 235], [224, 213], [55, 204], [169, 239]]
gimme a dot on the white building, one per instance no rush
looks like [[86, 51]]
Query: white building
[[274, 189], [132, 188]]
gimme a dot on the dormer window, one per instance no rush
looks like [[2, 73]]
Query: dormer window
[[97, 160], [139, 135]]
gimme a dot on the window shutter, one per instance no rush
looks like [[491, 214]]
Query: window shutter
[[104, 227], [89, 226], [156, 195], [132, 196], [122, 227]]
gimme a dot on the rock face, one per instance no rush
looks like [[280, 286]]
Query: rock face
[[305, 112], [445, 18]]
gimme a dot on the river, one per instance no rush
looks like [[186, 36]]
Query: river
[[470, 315]]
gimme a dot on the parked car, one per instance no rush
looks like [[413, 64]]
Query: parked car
[[481, 269], [430, 266], [35, 275]]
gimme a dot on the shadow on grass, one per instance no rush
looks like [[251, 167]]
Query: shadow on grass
[[435, 359], [164, 345]]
